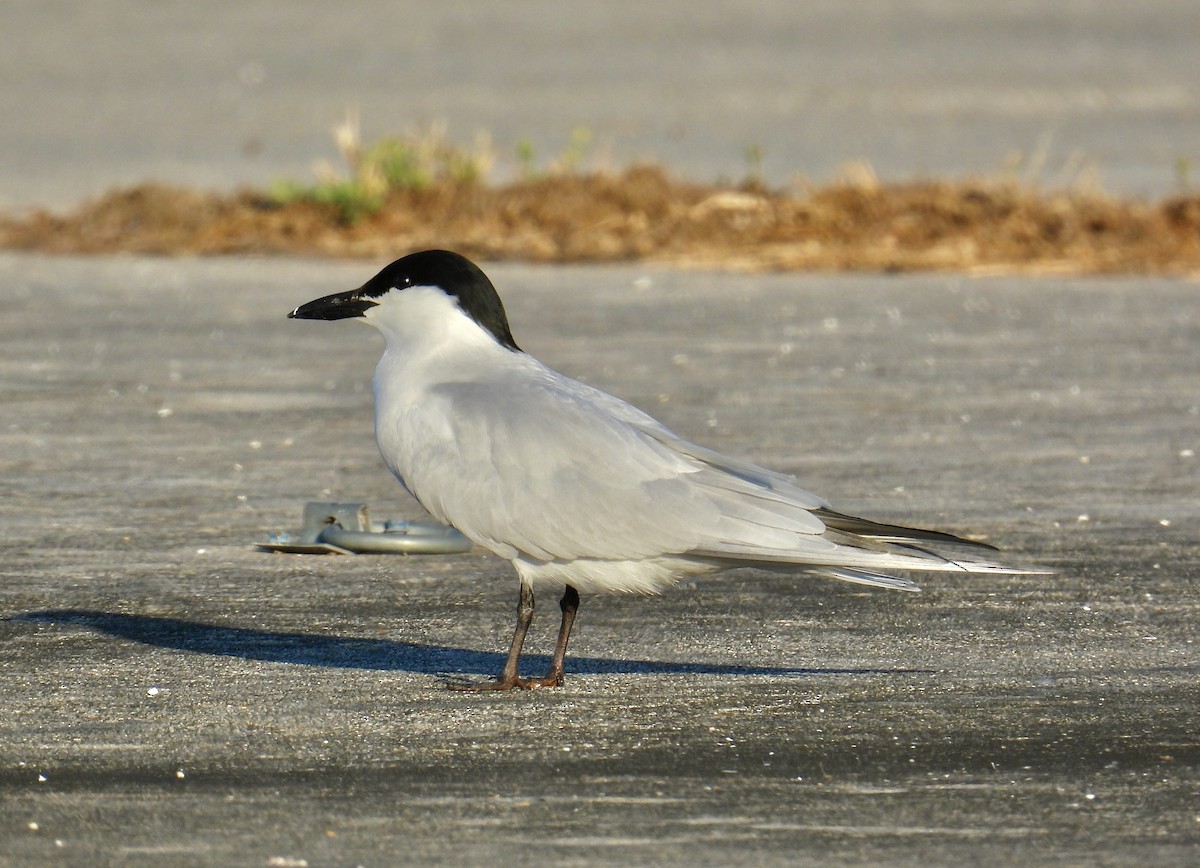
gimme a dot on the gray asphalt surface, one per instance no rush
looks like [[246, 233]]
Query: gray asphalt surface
[[174, 696], [229, 92]]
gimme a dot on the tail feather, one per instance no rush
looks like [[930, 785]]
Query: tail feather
[[864, 548], [897, 557], [867, 577], [893, 533]]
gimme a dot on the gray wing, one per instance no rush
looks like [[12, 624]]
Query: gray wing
[[556, 470]]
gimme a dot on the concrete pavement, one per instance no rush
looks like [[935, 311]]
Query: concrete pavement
[[226, 93], [175, 697]]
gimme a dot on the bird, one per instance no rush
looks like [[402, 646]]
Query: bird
[[575, 487]]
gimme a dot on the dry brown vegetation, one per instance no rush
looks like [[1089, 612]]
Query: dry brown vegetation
[[642, 213]]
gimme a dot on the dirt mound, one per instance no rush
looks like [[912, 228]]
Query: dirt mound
[[644, 214]]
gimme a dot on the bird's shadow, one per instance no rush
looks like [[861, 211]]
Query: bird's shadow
[[308, 649]]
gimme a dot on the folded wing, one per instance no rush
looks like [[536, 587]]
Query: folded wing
[[579, 474]]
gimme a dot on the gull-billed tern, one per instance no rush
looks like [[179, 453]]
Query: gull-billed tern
[[574, 486]]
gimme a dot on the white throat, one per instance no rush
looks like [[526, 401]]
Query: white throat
[[423, 320], [429, 340]]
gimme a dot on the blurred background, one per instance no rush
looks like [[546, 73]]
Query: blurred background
[[224, 93]]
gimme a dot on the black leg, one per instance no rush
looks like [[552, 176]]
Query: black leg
[[569, 605], [510, 677], [525, 605]]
